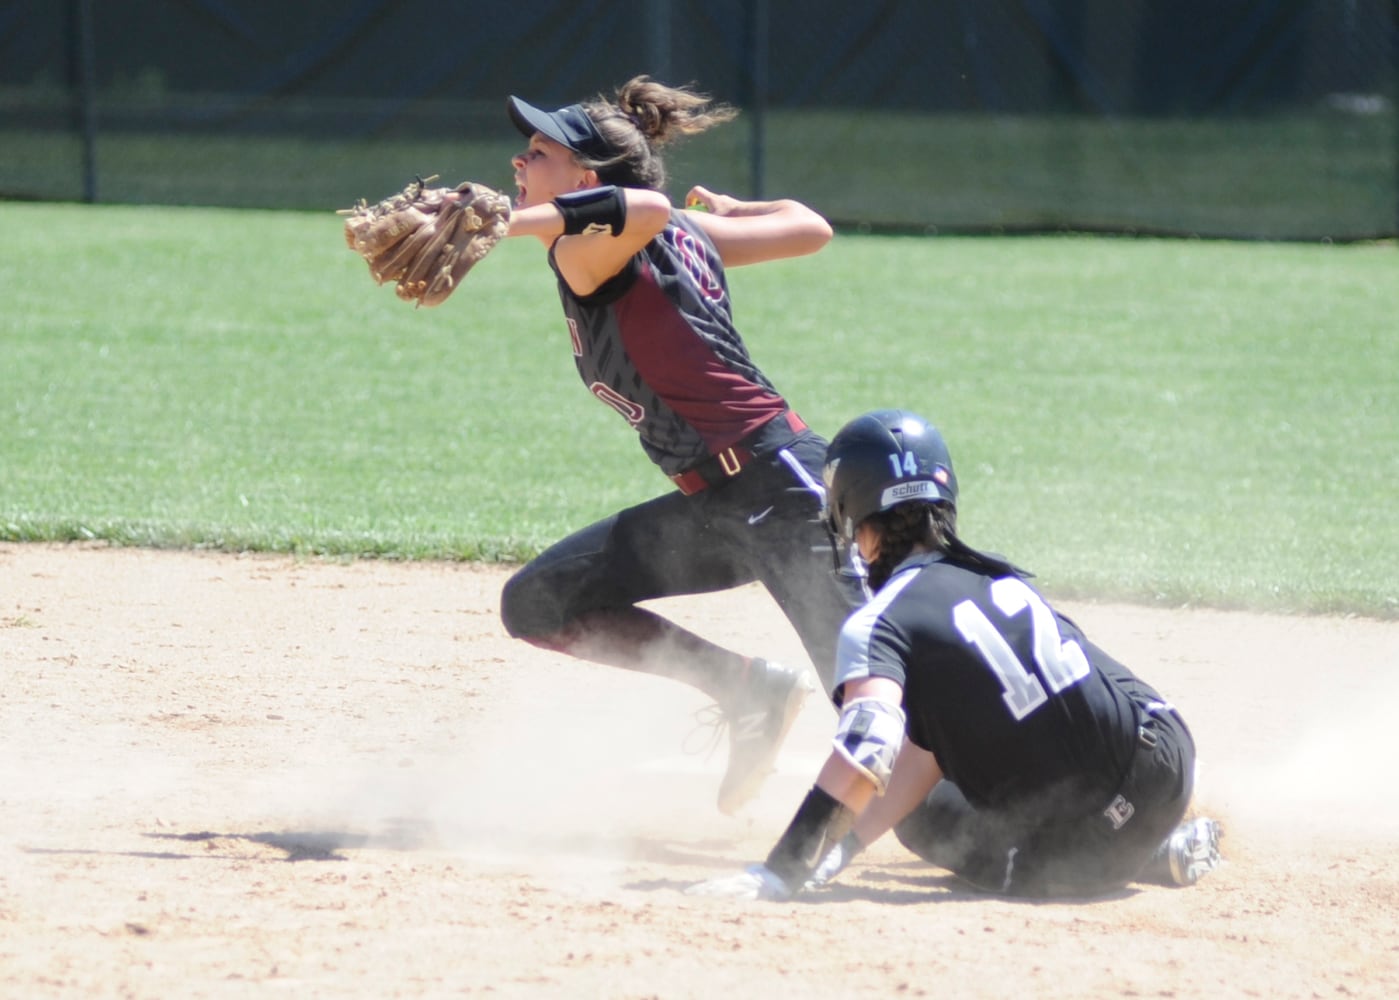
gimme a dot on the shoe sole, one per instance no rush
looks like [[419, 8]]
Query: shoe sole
[[734, 798]]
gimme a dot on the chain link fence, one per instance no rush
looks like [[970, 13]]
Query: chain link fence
[[1256, 119]]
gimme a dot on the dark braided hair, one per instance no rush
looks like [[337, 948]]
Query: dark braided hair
[[933, 525]]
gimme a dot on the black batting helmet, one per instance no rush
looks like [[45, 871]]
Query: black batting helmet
[[882, 459]]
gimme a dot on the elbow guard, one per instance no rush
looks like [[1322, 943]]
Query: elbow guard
[[595, 210], [869, 737]]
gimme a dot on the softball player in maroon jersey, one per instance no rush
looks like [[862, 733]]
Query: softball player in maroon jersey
[[977, 722], [651, 327]]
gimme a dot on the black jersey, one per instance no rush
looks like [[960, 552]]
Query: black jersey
[[657, 343], [1007, 694]]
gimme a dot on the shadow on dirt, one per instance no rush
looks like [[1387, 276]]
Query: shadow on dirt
[[905, 884], [413, 835]]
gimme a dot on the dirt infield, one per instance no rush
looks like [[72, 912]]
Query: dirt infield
[[248, 776]]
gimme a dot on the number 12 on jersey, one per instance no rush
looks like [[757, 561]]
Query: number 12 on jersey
[[1061, 662]]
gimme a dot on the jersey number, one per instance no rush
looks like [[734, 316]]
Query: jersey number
[[634, 412], [693, 260], [1061, 662], [907, 467]]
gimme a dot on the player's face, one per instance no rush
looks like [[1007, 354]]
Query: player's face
[[546, 170]]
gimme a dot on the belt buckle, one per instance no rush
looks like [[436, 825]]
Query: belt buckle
[[729, 461]]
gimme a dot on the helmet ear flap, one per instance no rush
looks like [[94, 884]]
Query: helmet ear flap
[[832, 520], [830, 507]]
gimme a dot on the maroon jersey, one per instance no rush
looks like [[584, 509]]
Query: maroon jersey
[[657, 343]]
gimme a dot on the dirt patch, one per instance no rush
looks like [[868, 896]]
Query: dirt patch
[[236, 776]]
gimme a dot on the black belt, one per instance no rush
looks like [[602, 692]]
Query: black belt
[[730, 462]]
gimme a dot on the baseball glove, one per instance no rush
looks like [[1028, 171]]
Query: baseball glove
[[426, 239]]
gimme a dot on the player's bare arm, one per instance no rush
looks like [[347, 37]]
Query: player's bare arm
[[588, 259], [751, 232], [916, 771]]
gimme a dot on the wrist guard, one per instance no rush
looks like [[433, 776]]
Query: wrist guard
[[820, 823], [595, 210]]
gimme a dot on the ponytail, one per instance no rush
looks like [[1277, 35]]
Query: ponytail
[[934, 526], [645, 116]]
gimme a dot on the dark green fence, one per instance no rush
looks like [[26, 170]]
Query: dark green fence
[[1272, 119]]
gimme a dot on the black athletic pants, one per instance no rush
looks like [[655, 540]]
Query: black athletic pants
[[763, 524], [1019, 853]]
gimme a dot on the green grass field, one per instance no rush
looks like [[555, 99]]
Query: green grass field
[[1183, 422]]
